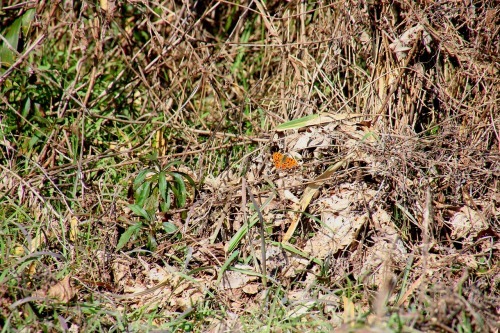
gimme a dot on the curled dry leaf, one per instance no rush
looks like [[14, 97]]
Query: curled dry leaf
[[403, 44], [61, 291], [467, 223], [251, 288]]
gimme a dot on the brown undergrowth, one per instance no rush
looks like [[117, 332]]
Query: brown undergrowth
[[380, 212]]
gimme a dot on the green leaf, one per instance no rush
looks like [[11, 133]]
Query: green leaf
[[142, 193], [165, 206], [171, 164], [186, 176], [33, 141], [12, 35], [314, 119], [180, 187], [27, 20], [151, 203], [125, 237], [141, 177], [27, 107], [238, 236], [292, 249], [152, 243], [252, 220], [297, 123], [152, 157], [175, 192], [138, 210], [163, 185], [169, 228]]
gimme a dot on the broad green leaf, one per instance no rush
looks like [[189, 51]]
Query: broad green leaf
[[152, 203], [11, 35], [142, 193], [180, 186], [162, 185], [296, 123], [138, 210], [186, 176], [27, 19], [125, 237], [141, 177], [165, 206], [314, 119], [169, 228]]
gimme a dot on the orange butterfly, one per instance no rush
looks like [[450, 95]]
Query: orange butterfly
[[282, 162]]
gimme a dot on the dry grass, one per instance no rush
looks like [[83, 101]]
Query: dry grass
[[410, 165]]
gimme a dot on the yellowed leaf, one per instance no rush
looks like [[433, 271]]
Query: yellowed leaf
[[104, 5], [349, 314], [18, 250], [73, 229], [36, 242]]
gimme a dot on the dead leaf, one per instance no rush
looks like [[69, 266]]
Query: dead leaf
[[308, 194], [403, 43], [467, 223], [349, 315], [61, 291], [340, 225], [251, 289], [73, 228], [234, 279]]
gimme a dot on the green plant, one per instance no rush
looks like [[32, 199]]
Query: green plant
[[157, 188]]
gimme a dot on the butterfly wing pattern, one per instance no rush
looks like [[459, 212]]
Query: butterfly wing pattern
[[283, 162]]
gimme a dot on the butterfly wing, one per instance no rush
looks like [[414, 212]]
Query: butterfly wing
[[282, 162]]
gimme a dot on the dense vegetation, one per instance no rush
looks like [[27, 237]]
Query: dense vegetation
[[248, 166]]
